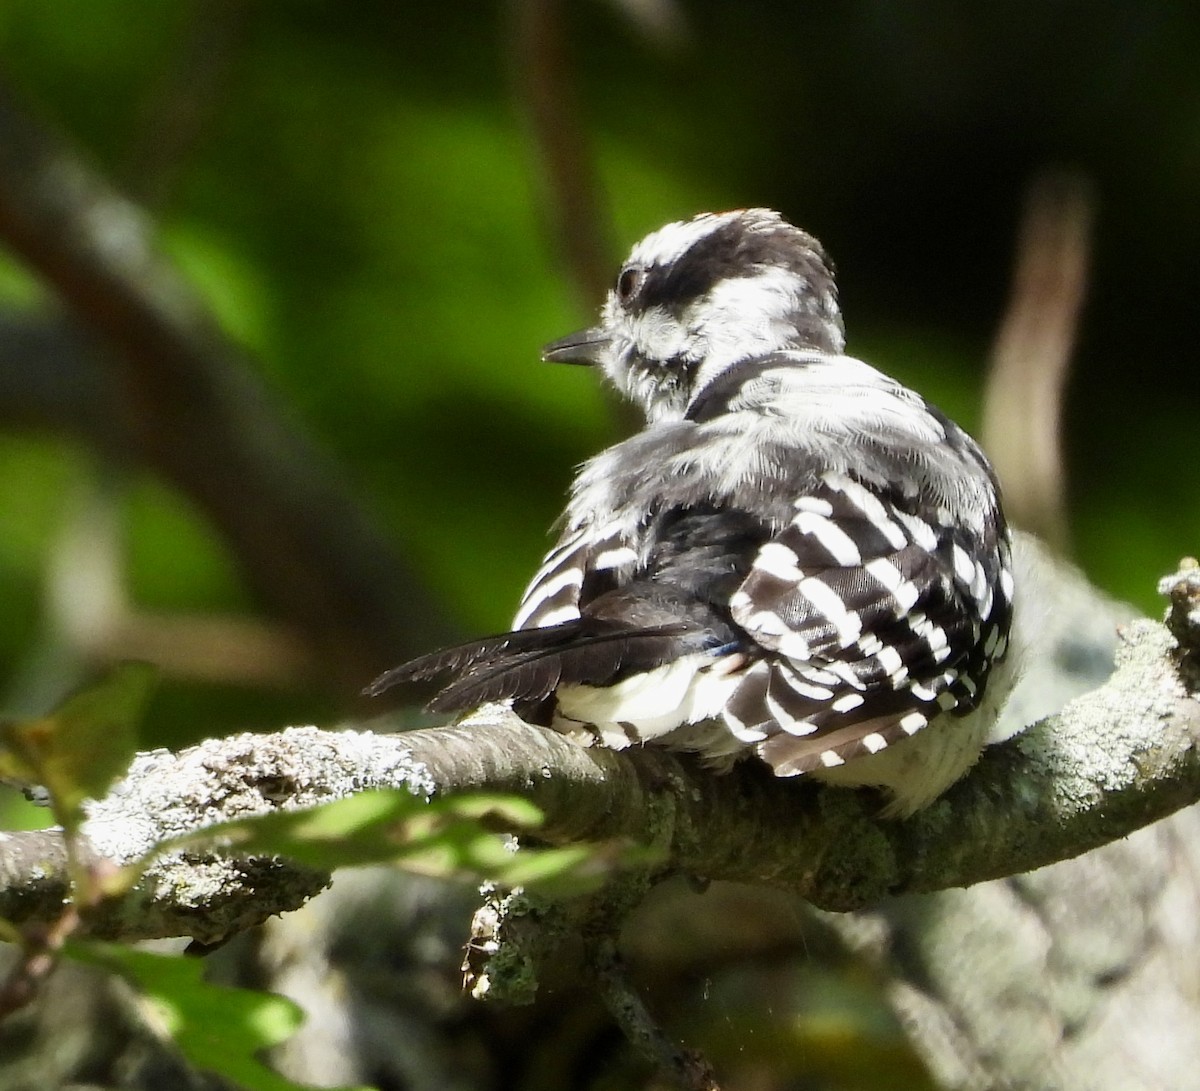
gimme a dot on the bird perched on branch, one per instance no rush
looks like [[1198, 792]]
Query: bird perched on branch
[[797, 557]]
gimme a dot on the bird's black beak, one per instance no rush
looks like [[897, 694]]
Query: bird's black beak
[[584, 347]]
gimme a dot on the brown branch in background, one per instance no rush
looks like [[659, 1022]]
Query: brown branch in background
[[197, 415], [1022, 413], [547, 97], [49, 377]]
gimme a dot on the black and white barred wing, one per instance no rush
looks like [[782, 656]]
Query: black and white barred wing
[[584, 563], [879, 620]]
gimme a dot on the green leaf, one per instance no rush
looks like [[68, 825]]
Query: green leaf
[[77, 751], [373, 827], [217, 1028], [447, 838]]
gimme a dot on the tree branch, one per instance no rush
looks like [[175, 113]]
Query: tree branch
[[1112, 761]]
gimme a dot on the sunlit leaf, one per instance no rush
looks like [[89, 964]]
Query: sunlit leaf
[[13, 767], [367, 828], [448, 838], [217, 1028], [79, 749], [577, 869]]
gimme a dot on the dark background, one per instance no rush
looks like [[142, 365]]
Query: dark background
[[357, 191]]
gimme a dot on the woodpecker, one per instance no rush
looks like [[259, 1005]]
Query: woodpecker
[[797, 557]]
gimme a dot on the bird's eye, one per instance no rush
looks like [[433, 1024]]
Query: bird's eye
[[629, 282]]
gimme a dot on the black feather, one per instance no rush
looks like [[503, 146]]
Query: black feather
[[698, 556], [596, 653], [462, 656], [531, 663]]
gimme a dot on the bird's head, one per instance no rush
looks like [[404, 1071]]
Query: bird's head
[[698, 296]]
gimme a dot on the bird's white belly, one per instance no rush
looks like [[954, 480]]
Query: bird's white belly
[[649, 706]]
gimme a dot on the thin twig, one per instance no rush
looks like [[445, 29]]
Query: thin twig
[[41, 945], [548, 99], [37, 961], [686, 1068], [1022, 419]]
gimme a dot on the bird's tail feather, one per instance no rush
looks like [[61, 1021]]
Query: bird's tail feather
[[462, 656], [530, 664], [587, 657]]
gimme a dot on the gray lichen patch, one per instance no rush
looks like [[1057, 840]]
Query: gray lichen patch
[[1089, 749]]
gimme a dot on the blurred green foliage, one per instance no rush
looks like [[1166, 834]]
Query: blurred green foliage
[[354, 191], [76, 752], [217, 1028]]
